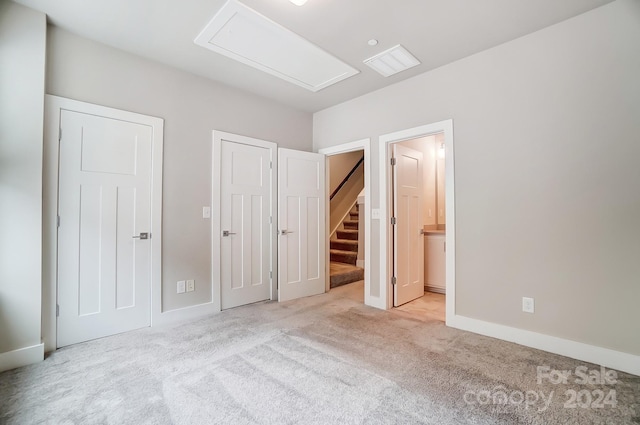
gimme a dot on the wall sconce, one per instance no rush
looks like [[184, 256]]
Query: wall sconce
[[298, 2]]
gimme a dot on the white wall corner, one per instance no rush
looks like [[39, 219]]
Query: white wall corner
[[21, 357], [623, 362]]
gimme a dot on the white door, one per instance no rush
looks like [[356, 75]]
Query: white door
[[104, 204], [245, 200], [301, 224], [408, 238]]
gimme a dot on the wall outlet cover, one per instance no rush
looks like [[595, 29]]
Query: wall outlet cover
[[191, 285], [528, 305]]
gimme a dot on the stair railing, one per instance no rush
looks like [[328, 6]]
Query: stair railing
[[344, 181]]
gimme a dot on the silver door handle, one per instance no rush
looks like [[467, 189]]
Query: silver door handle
[[285, 232], [226, 233], [422, 232], [144, 235]]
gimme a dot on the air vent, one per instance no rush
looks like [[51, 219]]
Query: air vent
[[392, 61], [243, 34]]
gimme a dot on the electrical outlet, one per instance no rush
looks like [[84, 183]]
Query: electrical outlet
[[181, 287], [191, 285], [527, 305]]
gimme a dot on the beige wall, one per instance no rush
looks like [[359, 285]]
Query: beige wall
[[191, 107], [340, 165], [22, 70], [546, 166]]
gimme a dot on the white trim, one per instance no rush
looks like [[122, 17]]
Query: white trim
[[364, 144], [53, 106], [21, 357], [576, 350], [386, 290], [217, 137], [185, 313]]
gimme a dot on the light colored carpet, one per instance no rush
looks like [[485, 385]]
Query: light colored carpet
[[321, 360]]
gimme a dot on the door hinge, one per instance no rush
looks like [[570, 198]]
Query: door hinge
[[393, 221], [270, 275], [393, 161], [58, 221], [394, 280], [270, 220], [445, 246], [270, 165], [59, 134], [57, 310]]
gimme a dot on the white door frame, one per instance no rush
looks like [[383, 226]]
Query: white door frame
[[364, 144], [386, 253], [216, 237], [53, 107]]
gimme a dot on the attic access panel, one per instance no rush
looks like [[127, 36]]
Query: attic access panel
[[243, 34]]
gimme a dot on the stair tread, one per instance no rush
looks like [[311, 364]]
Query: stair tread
[[351, 221], [348, 230], [342, 274], [346, 241], [340, 251]]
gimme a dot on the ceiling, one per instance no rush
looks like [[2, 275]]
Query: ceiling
[[437, 32]]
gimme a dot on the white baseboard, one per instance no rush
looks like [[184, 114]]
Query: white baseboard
[[192, 312], [21, 357], [577, 350]]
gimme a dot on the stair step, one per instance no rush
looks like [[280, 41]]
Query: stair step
[[340, 256], [350, 224], [354, 216], [342, 274], [345, 245], [347, 234]]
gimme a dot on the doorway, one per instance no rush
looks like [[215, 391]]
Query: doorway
[[268, 222], [443, 131], [346, 208], [355, 213]]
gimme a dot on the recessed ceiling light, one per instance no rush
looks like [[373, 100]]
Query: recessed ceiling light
[[298, 2], [373, 42]]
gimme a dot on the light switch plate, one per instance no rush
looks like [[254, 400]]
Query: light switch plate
[[181, 287], [191, 285], [206, 212], [375, 213]]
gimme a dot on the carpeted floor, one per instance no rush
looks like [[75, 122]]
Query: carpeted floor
[[321, 360]]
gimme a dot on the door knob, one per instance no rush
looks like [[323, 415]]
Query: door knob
[[144, 235], [226, 233], [285, 232]]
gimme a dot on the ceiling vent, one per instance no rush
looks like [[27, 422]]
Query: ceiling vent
[[392, 61], [243, 34]]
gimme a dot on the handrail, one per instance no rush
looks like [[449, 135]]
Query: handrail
[[344, 181]]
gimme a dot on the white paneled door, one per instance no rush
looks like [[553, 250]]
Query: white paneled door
[[408, 238], [301, 224], [104, 247], [245, 244]]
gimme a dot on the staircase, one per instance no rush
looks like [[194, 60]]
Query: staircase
[[344, 252]]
